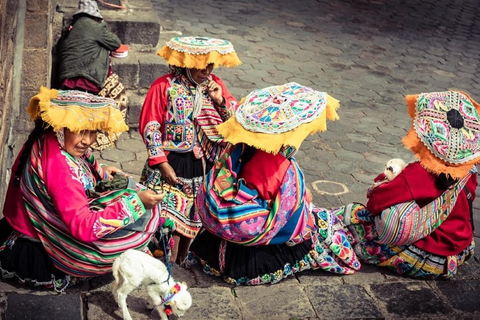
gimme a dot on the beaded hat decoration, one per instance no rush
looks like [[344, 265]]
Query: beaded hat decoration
[[198, 52], [77, 111], [279, 117], [445, 132]]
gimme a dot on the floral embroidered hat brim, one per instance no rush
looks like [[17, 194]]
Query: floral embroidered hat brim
[[77, 111], [279, 117], [199, 52], [445, 131]]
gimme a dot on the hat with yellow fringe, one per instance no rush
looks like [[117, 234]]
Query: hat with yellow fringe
[[279, 117], [445, 131], [199, 52], [77, 111]]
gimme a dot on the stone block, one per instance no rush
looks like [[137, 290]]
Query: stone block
[[290, 301], [33, 23], [135, 103], [45, 307], [345, 302], [35, 69], [136, 27], [37, 6], [152, 66], [127, 69], [459, 294], [140, 5], [413, 299]]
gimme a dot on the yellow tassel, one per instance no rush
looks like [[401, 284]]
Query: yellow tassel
[[233, 132]]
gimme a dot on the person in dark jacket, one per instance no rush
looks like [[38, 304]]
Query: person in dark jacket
[[84, 50]]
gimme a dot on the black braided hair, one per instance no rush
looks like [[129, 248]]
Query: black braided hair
[[443, 181], [39, 130], [247, 153]]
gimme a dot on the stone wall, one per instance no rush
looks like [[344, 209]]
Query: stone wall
[[8, 25], [25, 49]]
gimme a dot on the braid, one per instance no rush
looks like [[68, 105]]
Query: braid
[[38, 131], [443, 181]]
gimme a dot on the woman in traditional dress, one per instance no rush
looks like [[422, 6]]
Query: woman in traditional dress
[[260, 225], [420, 224], [178, 125], [66, 216]]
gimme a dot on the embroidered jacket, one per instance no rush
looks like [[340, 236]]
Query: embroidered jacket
[[166, 119]]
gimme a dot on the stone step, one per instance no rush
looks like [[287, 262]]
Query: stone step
[[140, 68], [138, 23], [135, 103]]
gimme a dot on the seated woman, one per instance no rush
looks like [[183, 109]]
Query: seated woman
[[67, 217], [420, 224], [258, 224]]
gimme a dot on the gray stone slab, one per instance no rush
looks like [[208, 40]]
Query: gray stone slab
[[343, 302], [117, 155], [43, 307], [216, 303], [414, 299], [284, 300], [460, 294]]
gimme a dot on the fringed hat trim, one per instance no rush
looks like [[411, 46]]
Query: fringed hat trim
[[77, 111], [445, 132], [199, 52], [270, 135]]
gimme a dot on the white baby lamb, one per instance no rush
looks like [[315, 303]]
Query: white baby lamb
[[133, 268], [393, 167]]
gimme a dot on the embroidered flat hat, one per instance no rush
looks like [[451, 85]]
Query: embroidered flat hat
[[445, 131], [198, 52], [89, 7], [77, 111], [279, 117]]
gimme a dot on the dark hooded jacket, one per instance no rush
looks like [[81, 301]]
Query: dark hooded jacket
[[83, 51]]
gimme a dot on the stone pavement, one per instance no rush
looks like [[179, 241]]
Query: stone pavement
[[367, 54]]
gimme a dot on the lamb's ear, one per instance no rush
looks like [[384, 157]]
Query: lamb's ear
[[173, 303], [185, 284]]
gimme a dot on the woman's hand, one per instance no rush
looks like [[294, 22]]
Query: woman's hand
[[215, 92], [168, 173], [308, 195], [150, 198], [110, 171]]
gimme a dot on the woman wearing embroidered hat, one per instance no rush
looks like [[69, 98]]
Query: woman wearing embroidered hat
[[260, 224], [178, 124], [420, 224], [67, 217]]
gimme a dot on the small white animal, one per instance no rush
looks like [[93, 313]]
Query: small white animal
[[393, 167], [133, 268]]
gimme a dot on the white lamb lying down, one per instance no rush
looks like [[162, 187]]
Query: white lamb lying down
[[133, 268]]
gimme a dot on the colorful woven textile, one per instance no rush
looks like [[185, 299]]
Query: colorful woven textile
[[178, 203], [407, 259], [134, 230], [232, 211], [77, 111], [445, 132], [279, 116], [405, 223], [113, 89], [198, 52]]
